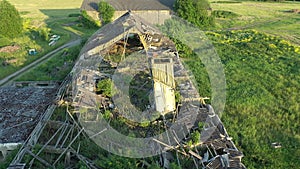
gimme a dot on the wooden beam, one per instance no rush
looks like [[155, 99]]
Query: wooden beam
[[169, 146], [39, 158], [68, 147], [195, 154]]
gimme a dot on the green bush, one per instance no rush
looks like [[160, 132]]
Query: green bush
[[27, 25], [4, 164], [10, 20], [145, 123], [107, 115], [44, 33], [106, 87], [196, 12], [117, 162], [88, 21], [196, 137], [4, 41], [174, 166]]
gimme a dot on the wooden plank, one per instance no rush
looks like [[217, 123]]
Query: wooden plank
[[195, 154], [39, 158], [68, 146]]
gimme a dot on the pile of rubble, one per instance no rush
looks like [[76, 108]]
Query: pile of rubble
[[21, 109]]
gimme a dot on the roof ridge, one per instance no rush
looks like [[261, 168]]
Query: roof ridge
[[136, 5]]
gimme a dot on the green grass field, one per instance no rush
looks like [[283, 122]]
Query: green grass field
[[262, 74], [268, 17], [263, 79], [33, 8], [261, 59]]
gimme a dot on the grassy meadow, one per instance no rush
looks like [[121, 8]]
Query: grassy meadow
[[260, 52], [262, 107], [272, 18], [53, 16]]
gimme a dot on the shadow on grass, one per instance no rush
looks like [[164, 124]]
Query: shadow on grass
[[59, 19], [58, 13], [66, 22]]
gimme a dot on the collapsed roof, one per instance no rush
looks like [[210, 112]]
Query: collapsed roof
[[21, 109], [86, 71]]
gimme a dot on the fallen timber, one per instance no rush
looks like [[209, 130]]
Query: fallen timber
[[35, 134]]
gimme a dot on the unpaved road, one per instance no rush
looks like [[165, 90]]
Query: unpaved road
[[8, 79]]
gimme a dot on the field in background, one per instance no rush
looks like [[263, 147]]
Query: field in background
[[31, 8], [272, 18]]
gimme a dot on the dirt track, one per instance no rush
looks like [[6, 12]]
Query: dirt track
[[8, 79]]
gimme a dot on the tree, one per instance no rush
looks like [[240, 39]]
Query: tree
[[195, 11], [10, 20], [106, 11]]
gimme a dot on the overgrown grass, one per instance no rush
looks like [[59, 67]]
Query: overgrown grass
[[262, 103], [263, 79], [55, 68], [4, 41], [21, 56], [264, 16], [9, 158], [262, 74]]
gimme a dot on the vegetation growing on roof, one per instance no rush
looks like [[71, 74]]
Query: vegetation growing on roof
[[106, 87]]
